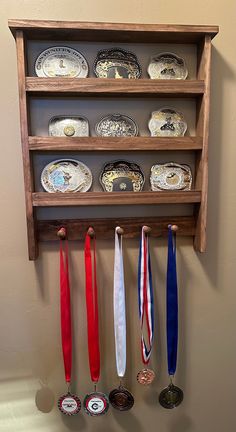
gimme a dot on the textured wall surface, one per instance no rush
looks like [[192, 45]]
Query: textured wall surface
[[30, 353]]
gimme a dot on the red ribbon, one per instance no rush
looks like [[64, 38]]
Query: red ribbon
[[66, 336], [145, 301], [92, 309]]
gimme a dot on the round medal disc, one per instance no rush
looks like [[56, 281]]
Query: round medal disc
[[69, 404], [171, 397], [121, 399], [145, 376], [96, 404]]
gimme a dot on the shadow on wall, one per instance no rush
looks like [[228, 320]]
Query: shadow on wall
[[221, 72], [181, 424]]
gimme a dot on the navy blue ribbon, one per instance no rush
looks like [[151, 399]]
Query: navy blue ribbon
[[172, 303]]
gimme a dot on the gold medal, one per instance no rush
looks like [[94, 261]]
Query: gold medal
[[171, 396]]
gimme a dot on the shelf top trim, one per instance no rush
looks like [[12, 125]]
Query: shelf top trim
[[112, 32]]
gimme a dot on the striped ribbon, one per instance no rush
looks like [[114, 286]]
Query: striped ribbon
[[145, 295]]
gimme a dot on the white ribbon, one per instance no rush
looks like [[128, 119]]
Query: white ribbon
[[119, 307]]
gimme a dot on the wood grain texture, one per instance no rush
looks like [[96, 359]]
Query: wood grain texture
[[45, 199], [202, 130], [113, 87], [104, 228], [38, 143], [112, 32], [94, 87], [24, 124]]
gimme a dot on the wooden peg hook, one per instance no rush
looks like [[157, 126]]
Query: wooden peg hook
[[174, 228], [119, 230], [147, 229], [61, 233], [91, 232]]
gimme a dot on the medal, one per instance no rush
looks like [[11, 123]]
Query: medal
[[146, 306], [145, 376], [120, 398], [68, 404], [171, 396], [95, 403]]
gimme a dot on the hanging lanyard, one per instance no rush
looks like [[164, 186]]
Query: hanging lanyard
[[119, 307], [92, 309], [172, 303], [66, 337], [68, 404], [145, 295], [171, 396]]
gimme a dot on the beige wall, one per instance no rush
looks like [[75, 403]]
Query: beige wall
[[30, 357]]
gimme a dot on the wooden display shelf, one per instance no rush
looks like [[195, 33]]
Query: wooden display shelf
[[111, 87], [45, 199], [104, 228], [199, 88], [112, 32], [38, 143]]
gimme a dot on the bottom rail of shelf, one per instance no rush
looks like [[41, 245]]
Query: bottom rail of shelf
[[104, 228], [45, 199]]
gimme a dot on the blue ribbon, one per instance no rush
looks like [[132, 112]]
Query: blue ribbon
[[172, 303]]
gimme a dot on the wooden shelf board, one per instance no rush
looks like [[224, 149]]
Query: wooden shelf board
[[112, 32], [113, 87], [104, 228], [44, 199], [38, 143]]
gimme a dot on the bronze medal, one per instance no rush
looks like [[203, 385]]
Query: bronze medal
[[145, 376], [69, 404], [121, 399], [171, 397], [96, 403]]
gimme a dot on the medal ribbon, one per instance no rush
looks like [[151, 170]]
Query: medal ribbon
[[66, 333], [92, 309], [172, 303], [145, 295], [119, 307]]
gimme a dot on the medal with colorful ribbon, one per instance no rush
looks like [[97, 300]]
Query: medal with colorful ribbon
[[171, 396], [146, 307], [120, 398], [68, 404], [95, 403]]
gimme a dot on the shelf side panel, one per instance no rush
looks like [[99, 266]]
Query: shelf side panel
[[24, 122], [202, 129]]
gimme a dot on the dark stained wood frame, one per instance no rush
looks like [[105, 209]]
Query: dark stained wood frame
[[112, 32], [43, 87]]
